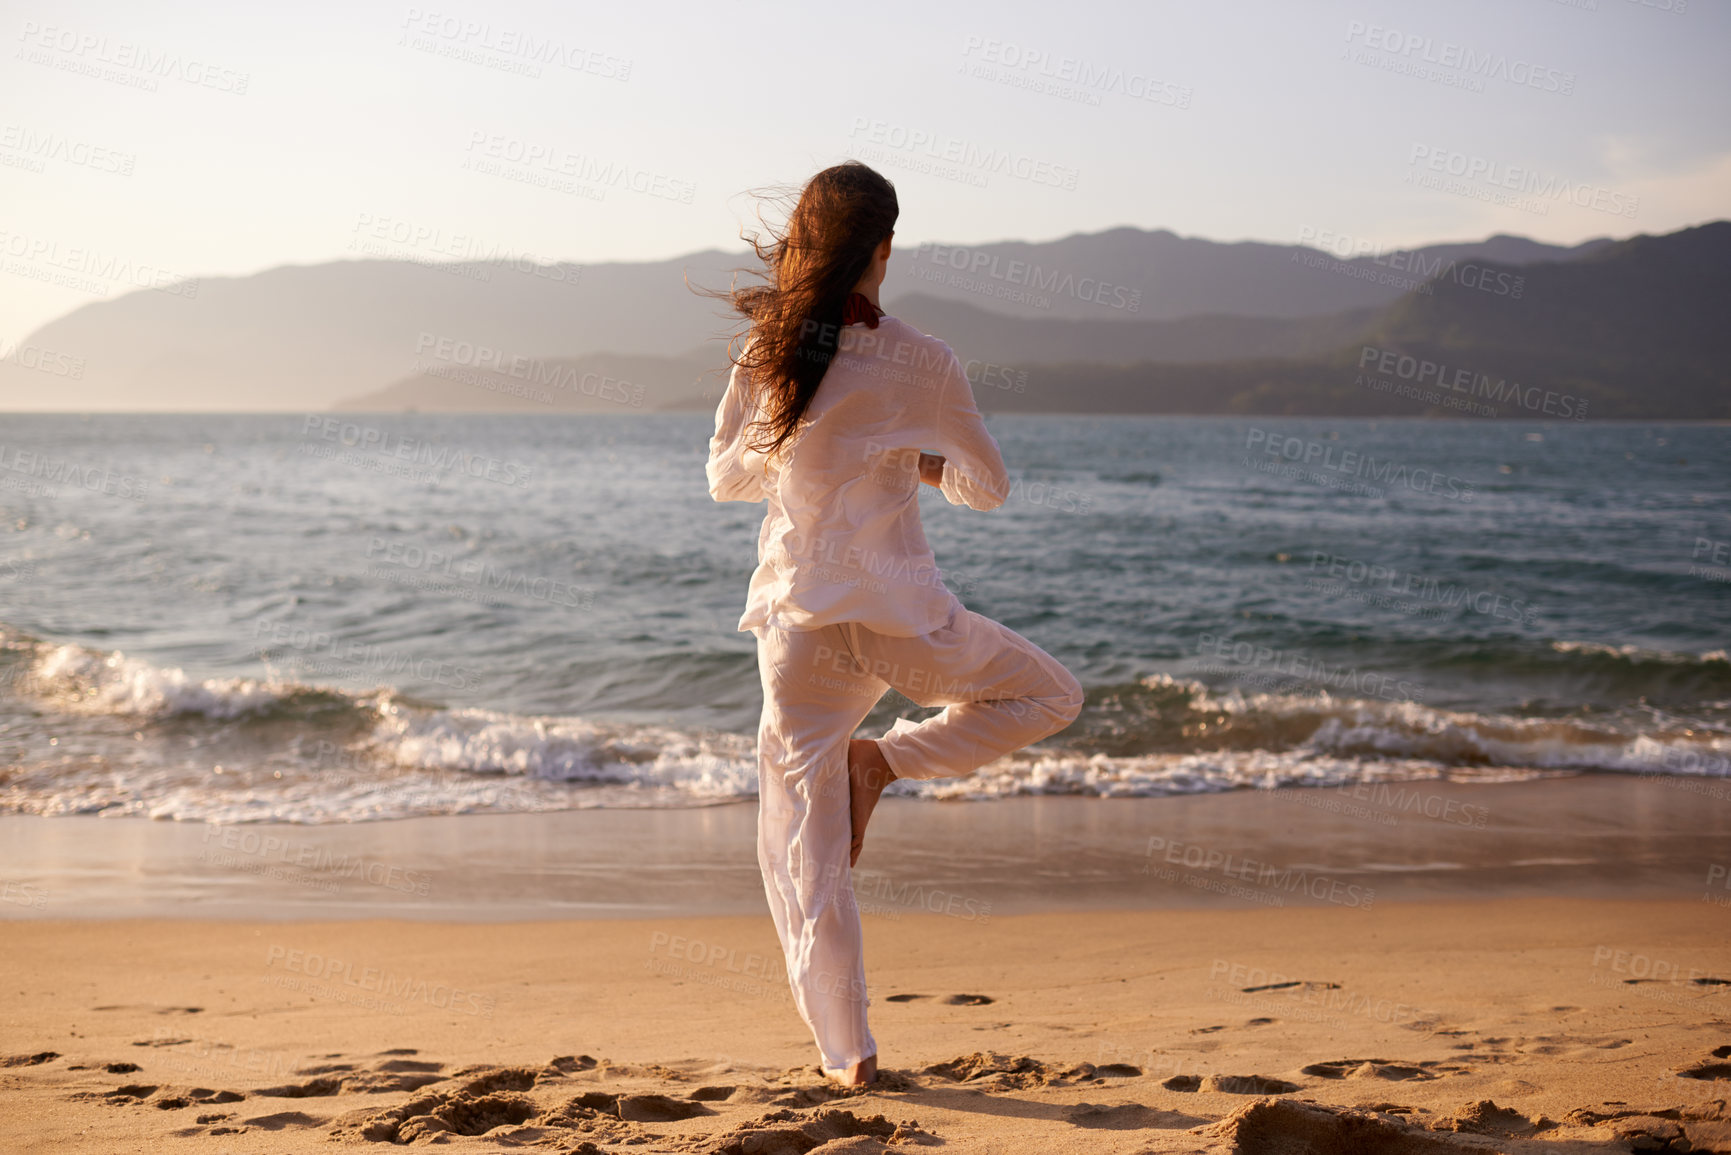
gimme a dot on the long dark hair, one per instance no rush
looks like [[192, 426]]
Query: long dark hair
[[811, 265]]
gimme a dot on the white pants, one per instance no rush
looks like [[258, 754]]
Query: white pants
[[1000, 693]]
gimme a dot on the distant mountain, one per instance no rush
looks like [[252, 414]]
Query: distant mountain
[[601, 383], [308, 337], [990, 342], [1127, 274], [974, 332], [1636, 329]]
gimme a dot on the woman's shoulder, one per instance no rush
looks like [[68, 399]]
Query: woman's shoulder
[[909, 345], [906, 331]]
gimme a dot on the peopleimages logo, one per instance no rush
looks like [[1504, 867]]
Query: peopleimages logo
[[990, 266], [1518, 179], [1425, 269], [966, 154], [42, 360], [535, 371], [88, 270], [488, 150], [438, 457], [1460, 58], [74, 475], [1350, 571], [1264, 875], [339, 974], [1085, 77], [320, 859], [37, 147], [468, 39], [1302, 666], [1353, 463], [1472, 383], [91, 54]]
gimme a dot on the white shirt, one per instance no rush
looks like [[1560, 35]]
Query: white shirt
[[841, 539]]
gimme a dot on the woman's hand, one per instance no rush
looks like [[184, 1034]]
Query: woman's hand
[[932, 468]]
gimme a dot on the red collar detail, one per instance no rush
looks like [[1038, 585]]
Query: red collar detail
[[858, 308]]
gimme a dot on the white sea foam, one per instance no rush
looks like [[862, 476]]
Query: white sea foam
[[398, 759], [116, 684]]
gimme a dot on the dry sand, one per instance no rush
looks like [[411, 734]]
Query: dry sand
[[1518, 1025]]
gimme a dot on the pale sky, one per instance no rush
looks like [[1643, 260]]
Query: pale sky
[[304, 132]]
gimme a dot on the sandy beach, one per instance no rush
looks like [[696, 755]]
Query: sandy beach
[[1074, 975], [1516, 1026]]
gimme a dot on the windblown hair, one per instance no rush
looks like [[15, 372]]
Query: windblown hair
[[811, 265]]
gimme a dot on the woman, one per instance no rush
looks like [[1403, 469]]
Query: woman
[[829, 408]]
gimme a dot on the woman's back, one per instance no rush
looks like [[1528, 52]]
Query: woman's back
[[842, 539]]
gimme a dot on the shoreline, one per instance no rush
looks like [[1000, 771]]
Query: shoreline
[[1355, 847]]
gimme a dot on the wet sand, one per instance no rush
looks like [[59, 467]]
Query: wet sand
[[1600, 835]]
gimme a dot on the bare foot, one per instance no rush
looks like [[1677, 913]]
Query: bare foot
[[868, 772], [861, 1074]]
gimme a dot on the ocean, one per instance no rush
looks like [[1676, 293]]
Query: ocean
[[324, 619]]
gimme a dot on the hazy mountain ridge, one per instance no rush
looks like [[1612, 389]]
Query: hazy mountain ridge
[[1636, 329], [309, 337], [1188, 276], [600, 383]]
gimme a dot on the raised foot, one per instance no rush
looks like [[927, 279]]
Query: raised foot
[[868, 772]]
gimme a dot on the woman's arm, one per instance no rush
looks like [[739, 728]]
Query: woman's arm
[[972, 467], [932, 468], [729, 478]]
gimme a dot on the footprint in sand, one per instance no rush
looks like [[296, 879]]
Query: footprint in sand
[[1372, 1069], [1291, 1125], [317, 1088], [1286, 986], [789, 1131], [949, 1000], [481, 1099], [281, 1121], [640, 1108], [153, 1008], [160, 1097], [807, 1093], [1486, 1118], [1710, 1070], [35, 1060], [1129, 1117], [1230, 1084], [1582, 1045], [433, 1118], [1118, 1071], [1007, 1071], [1660, 1129], [376, 1078]]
